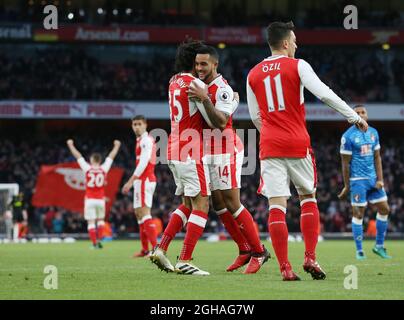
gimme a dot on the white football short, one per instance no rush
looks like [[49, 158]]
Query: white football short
[[225, 171], [277, 173], [191, 178], [94, 209], [143, 191]]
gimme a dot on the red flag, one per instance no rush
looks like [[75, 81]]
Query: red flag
[[63, 185]]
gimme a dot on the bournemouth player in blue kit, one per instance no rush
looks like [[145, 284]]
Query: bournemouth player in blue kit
[[363, 180]]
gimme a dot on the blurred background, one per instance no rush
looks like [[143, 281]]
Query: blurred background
[[111, 60]]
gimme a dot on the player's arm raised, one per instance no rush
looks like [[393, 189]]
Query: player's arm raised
[[145, 156], [73, 150], [313, 83], [218, 119], [115, 149]]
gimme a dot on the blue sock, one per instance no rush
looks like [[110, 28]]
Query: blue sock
[[357, 231], [381, 228]]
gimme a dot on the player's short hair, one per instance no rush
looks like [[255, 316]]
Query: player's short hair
[[277, 32], [359, 106], [186, 53], [139, 117], [96, 157], [205, 49]]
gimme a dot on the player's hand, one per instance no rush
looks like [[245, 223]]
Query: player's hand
[[126, 187], [379, 184], [344, 193], [70, 142], [198, 92], [362, 125], [236, 97], [117, 143]]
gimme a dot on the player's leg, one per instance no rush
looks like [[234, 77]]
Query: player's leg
[[233, 229], [90, 216], [358, 213], [358, 201], [178, 220], [196, 186], [225, 174], [303, 174], [137, 205], [275, 170], [196, 225], [147, 199], [383, 211], [100, 222], [147, 230], [248, 228]]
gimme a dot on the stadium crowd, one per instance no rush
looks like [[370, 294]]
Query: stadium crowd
[[125, 12], [20, 162], [79, 74]]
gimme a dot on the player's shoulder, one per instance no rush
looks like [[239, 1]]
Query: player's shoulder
[[182, 80], [146, 138], [220, 82]]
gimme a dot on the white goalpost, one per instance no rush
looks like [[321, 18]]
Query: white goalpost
[[7, 191]]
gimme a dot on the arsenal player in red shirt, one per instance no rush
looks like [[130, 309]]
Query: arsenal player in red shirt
[[94, 203], [143, 181], [276, 104], [225, 153]]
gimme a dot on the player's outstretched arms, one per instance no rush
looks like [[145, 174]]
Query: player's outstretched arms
[[73, 150], [313, 83], [115, 149]]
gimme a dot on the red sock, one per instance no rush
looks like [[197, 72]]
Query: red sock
[[93, 235], [100, 231], [278, 230], [234, 230], [247, 226], [178, 219], [196, 225], [150, 230], [143, 237], [309, 224]]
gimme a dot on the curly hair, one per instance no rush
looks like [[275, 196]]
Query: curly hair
[[186, 53]]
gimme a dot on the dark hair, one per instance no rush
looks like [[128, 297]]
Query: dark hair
[[96, 157], [359, 106], [277, 32], [210, 51], [139, 117], [185, 56]]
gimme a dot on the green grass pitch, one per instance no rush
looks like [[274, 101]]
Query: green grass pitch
[[112, 273]]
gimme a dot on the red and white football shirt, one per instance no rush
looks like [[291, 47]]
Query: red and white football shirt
[[222, 97], [187, 121], [276, 104], [95, 178], [145, 157]]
